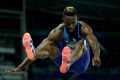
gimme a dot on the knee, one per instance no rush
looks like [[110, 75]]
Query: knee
[[84, 69], [42, 54], [81, 42], [81, 70]]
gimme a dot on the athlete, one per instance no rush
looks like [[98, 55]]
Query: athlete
[[68, 45]]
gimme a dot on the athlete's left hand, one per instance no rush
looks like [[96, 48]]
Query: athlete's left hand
[[96, 61]]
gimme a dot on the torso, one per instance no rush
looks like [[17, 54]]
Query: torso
[[73, 36], [58, 33], [60, 29]]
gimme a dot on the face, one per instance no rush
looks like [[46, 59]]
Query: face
[[71, 22]]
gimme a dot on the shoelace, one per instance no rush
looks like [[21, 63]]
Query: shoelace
[[68, 66], [32, 46]]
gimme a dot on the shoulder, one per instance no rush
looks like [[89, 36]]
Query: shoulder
[[56, 33], [59, 28], [85, 28]]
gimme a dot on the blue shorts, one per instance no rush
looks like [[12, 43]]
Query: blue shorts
[[79, 66]]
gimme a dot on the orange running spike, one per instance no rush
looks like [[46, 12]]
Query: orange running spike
[[65, 59], [29, 48]]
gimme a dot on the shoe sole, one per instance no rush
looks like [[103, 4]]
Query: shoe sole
[[65, 59], [26, 43]]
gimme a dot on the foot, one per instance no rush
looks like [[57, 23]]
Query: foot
[[65, 59], [29, 47]]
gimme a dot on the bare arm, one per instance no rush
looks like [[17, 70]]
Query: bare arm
[[46, 44], [93, 43], [86, 29]]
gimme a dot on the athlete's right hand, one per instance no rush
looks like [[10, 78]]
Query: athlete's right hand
[[13, 70]]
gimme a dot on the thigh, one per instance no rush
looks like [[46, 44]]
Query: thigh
[[58, 60], [53, 52], [82, 63], [48, 51]]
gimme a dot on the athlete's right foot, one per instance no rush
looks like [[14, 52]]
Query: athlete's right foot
[[65, 59], [29, 47]]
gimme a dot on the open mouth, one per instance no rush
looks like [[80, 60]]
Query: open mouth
[[70, 29]]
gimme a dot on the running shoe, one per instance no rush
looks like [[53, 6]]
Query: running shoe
[[28, 44], [65, 59]]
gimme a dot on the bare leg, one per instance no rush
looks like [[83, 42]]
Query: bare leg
[[49, 51], [68, 59], [74, 57]]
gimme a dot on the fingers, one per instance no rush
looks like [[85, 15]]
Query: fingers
[[9, 71], [96, 63], [12, 71], [93, 64]]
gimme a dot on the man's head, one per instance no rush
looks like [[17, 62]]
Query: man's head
[[69, 11], [70, 18]]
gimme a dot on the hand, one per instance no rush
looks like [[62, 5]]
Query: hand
[[13, 70], [96, 61]]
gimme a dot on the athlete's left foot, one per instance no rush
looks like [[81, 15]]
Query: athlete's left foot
[[65, 59]]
